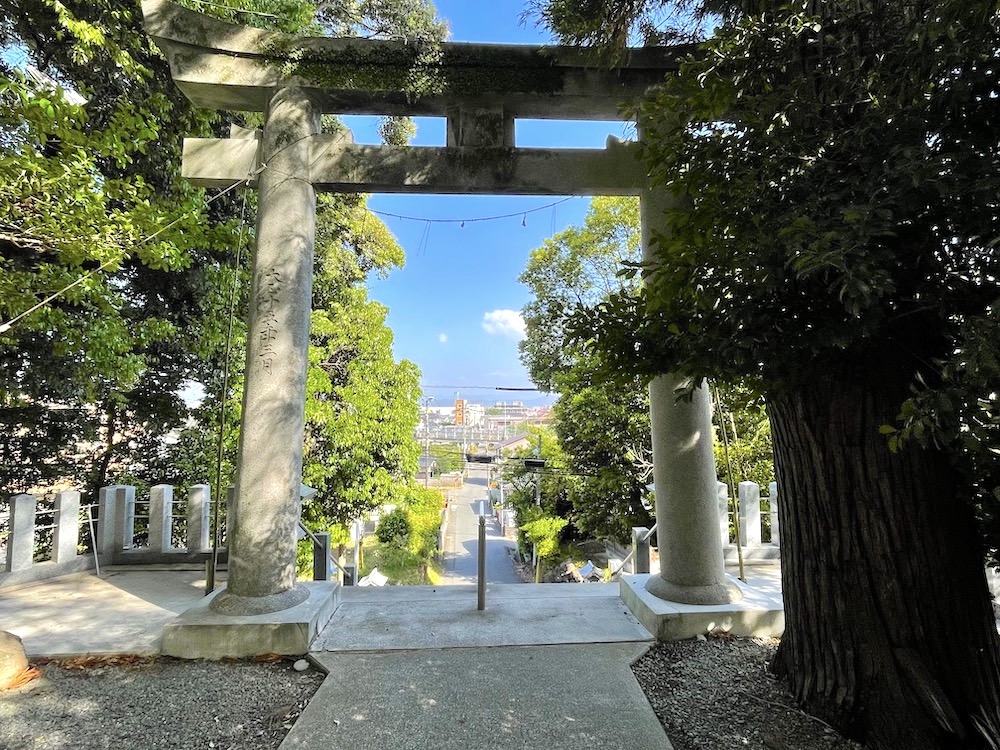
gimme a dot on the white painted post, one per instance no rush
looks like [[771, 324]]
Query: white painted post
[[107, 512], [772, 488], [750, 514], [161, 517], [723, 491], [124, 517], [198, 510], [21, 542], [66, 535]]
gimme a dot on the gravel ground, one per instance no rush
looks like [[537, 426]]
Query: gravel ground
[[93, 704], [709, 695], [717, 693]]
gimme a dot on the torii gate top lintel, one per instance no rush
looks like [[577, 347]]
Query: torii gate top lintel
[[479, 88], [225, 66]]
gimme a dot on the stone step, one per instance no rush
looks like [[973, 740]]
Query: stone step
[[396, 618]]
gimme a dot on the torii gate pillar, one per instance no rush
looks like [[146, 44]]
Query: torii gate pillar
[[263, 519], [692, 569]]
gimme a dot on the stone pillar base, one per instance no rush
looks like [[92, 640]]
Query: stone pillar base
[[203, 633], [719, 593], [227, 603], [760, 613]]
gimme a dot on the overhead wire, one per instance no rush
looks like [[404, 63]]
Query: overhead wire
[[482, 388], [496, 217], [424, 241], [425, 237], [220, 445], [4, 327]]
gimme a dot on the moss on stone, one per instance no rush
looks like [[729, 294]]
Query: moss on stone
[[417, 71]]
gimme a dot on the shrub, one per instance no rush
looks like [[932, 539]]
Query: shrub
[[394, 528]]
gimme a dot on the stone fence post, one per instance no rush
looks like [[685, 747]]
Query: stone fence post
[[107, 512], [66, 535], [21, 539], [198, 514], [723, 495], [124, 517], [750, 514], [640, 549], [161, 517]]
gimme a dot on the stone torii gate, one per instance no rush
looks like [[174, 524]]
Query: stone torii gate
[[481, 89]]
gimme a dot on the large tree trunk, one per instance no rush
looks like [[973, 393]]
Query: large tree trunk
[[889, 631], [103, 464]]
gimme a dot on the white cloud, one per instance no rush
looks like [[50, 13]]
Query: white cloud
[[507, 323], [443, 338]]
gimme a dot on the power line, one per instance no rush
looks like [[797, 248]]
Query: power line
[[4, 327], [513, 215], [481, 388]]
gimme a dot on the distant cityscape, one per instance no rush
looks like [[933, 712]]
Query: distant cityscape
[[464, 421]]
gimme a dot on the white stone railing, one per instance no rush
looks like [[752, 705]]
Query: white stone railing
[[114, 520], [760, 540]]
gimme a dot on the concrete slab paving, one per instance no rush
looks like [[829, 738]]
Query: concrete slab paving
[[426, 617], [465, 592], [120, 612], [553, 697]]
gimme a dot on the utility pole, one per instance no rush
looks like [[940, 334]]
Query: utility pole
[[503, 511], [538, 476]]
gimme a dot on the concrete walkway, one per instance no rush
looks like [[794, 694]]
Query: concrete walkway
[[543, 666], [121, 612], [511, 698]]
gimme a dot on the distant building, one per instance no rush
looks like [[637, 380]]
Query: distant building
[[516, 443], [475, 414], [426, 467]]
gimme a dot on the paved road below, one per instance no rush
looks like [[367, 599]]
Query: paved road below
[[461, 547]]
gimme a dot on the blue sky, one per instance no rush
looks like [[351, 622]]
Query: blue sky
[[458, 282]]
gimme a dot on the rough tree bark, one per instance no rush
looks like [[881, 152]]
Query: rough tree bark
[[103, 465], [889, 631]]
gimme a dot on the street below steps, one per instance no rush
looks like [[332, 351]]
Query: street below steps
[[461, 544]]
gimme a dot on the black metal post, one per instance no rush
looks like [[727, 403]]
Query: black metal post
[[482, 564]]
